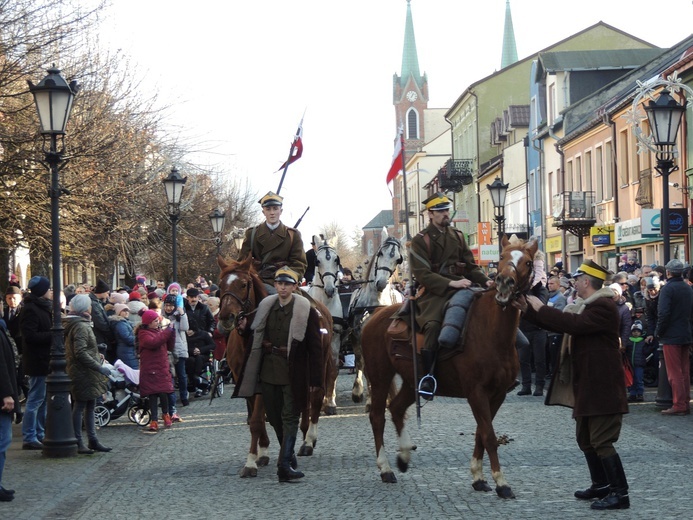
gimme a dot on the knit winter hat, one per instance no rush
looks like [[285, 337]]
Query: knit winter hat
[[117, 297], [39, 285], [149, 316], [101, 287], [120, 307], [616, 288], [135, 295], [175, 285]]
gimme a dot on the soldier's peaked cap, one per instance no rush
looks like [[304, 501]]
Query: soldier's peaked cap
[[286, 275], [593, 269], [437, 202], [271, 199]]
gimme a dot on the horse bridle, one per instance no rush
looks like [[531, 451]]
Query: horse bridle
[[245, 303], [525, 287], [328, 273], [394, 244]]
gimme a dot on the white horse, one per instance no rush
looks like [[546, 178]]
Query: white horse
[[378, 291], [324, 290]]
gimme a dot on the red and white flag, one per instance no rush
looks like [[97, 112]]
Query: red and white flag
[[296, 147], [397, 162]]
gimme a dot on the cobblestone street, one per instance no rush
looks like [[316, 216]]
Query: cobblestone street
[[191, 470]]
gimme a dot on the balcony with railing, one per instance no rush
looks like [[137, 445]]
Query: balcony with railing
[[455, 174], [574, 212]]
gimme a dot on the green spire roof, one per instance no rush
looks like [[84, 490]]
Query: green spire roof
[[410, 59], [509, 48]]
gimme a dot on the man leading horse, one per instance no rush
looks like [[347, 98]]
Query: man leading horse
[[443, 265]]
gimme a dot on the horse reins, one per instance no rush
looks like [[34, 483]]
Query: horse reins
[[394, 244]]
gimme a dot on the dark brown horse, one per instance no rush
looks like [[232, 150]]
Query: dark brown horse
[[482, 371], [241, 290]]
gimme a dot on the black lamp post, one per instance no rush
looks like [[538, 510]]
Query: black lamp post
[[53, 97], [498, 192], [217, 218], [174, 184], [664, 116]]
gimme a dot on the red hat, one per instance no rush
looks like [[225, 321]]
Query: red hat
[[152, 295], [149, 316], [135, 295]]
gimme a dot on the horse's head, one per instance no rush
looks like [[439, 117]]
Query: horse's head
[[388, 257], [326, 268], [240, 288], [515, 269]]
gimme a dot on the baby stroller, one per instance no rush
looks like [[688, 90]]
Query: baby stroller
[[123, 396]]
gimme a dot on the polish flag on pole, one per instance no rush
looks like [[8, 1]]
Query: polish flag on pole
[[296, 147], [397, 160]]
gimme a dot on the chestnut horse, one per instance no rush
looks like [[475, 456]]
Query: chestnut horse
[[481, 370], [241, 290]]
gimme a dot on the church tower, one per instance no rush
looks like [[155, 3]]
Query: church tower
[[410, 92], [509, 47]]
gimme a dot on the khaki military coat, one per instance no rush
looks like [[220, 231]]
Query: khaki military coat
[[446, 257], [274, 249]]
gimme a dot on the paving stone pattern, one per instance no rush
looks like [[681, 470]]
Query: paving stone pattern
[[191, 470]]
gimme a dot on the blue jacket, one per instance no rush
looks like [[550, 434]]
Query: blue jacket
[[674, 313]]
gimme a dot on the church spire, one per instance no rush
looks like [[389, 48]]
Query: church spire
[[509, 48], [410, 58]]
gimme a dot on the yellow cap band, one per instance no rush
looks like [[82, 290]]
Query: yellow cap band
[[436, 201], [584, 268]]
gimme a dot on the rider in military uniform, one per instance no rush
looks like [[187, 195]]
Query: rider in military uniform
[[272, 244], [287, 355], [442, 263]]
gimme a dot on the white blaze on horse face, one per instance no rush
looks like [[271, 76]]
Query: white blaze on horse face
[[231, 278], [516, 256]]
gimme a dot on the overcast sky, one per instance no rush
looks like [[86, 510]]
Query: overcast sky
[[241, 73]]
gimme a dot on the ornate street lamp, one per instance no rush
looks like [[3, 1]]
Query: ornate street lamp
[[53, 97], [238, 235], [217, 218], [664, 116], [498, 192], [173, 184]]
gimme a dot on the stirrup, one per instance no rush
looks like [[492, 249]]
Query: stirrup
[[428, 396]]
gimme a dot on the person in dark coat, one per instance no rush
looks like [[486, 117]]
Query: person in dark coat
[[12, 316], [674, 315], [287, 356], [35, 324], [535, 346], [636, 354], [88, 376], [311, 254], [590, 379], [102, 329], [443, 264], [9, 394], [155, 375], [200, 338]]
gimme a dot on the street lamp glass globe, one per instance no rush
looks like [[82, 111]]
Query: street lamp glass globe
[[498, 192], [174, 184], [217, 218], [664, 116], [53, 98]]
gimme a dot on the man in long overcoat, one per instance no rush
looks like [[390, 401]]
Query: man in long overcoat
[[590, 379], [442, 263], [287, 356], [272, 244]]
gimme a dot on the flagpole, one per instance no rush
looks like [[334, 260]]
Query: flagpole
[[286, 167], [412, 287]]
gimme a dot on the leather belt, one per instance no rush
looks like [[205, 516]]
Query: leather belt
[[276, 351]]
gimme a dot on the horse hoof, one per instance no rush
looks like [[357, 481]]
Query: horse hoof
[[402, 466], [388, 478], [481, 485], [248, 472], [305, 451], [262, 461], [330, 410], [505, 492]]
